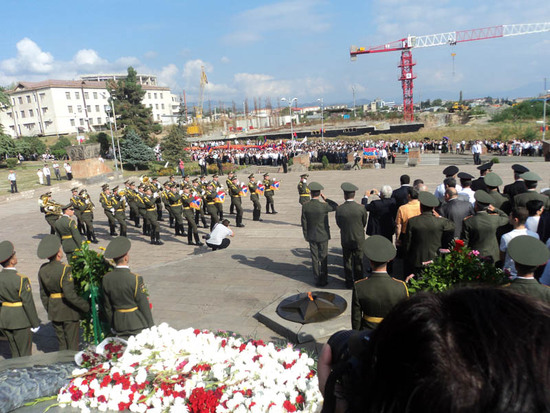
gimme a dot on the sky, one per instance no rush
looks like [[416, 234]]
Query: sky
[[275, 49]]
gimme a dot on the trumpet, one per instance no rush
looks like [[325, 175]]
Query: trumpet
[[144, 179]]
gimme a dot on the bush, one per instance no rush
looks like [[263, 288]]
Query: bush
[[166, 171], [325, 161], [495, 160], [11, 163]]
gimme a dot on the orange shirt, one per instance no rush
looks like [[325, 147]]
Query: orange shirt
[[406, 212]]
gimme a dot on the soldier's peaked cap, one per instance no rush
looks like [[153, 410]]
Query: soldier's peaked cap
[[105, 186], [485, 166], [450, 170], [529, 251], [530, 176], [519, 169], [6, 250], [48, 246], [483, 197], [118, 247], [428, 199], [315, 186], [492, 179], [348, 187], [465, 175], [379, 249], [250, 176]]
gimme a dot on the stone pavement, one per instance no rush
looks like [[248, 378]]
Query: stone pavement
[[192, 286]]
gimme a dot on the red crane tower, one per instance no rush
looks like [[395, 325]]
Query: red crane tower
[[450, 38]]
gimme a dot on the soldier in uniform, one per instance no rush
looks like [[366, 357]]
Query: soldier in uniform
[[164, 197], [492, 182], [518, 186], [528, 253], [303, 190], [530, 179], [375, 296], [106, 199], [235, 193], [479, 231], [218, 187], [150, 202], [199, 213], [351, 218], [51, 209], [76, 202], [192, 231], [157, 188], [479, 183], [68, 232], [142, 209], [426, 234], [316, 230], [173, 201], [119, 203], [268, 193], [255, 198], [87, 209], [131, 197], [210, 201], [18, 317], [228, 181], [126, 302], [58, 294]]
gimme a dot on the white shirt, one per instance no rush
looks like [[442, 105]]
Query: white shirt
[[506, 238], [219, 232], [469, 193], [46, 170], [532, 223]]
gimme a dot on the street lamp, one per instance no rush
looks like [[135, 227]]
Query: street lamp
[[353, 90], [112, 107], [545, 98], [322, 119], [108, 111], [290, 102]]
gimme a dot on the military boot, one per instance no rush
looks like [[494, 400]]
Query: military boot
[[197, 240], [157, 239], [190, 238]]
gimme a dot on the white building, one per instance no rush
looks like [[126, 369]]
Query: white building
[[57, 107]]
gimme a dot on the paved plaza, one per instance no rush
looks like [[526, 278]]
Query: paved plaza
[[192, 286]]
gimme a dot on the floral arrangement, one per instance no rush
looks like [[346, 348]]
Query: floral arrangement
[[88, 269], [458, 266], [195, 371]]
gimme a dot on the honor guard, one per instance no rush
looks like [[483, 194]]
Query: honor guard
[[131, 197], [192, 231], [176, 209], [119, 203], [87, 210], [268, 193], [67, 231], [76, 202], [228, 181], [197, 190], [303, 190], [157, 188], [164, 197], [255, 198], [18, 317], [210, 204], [218, 187], [107, 202], [235, 193], [58, 294], [126, 302], [150, 202], [142, 209], [51, 209]]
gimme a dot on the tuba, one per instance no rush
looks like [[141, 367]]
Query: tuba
[[144, 179]]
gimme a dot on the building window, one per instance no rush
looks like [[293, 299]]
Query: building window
[[42, 96], [10, 115], [22, 114], [28, 98], [88, 108], [20, 100], [156, 105], [72, 122], [148, 95], [77, 95], [162, 105], [86, 95], [161, 95], [97, 108], [155, 95], [99, 121], [79, 108], [158, 117], [44, 110], [90, 121], [95, 95], [31, 113], [68, 95], [81, 122], [70, 109]]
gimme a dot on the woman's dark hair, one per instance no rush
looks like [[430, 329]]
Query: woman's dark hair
[[468, 350]]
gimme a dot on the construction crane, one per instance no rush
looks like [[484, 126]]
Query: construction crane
[[405, 45], [196, 128]]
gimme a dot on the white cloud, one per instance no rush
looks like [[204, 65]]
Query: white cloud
[[167, 76], [150, 54], [225, 59], [30, 59]]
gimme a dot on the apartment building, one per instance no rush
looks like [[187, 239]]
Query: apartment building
[[58, 107]]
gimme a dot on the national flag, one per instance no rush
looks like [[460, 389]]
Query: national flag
[[371, 152], [195, 202], [220, 197], [275, 185], [260, 189], [244, 190], [210, 149]]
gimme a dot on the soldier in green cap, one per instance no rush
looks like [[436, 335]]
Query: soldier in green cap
[[142, 209], [426, 234], [492, 181], [51, 209], [67, 230], [18, 317], [255, 198], [351, 218], [119, 203], [88, 215], [176, 209], [126, 303], [131, 194], [107, 202], [192, 231], [77, 202], [531, 180], [303, 191], [150, 202], [375, 296], [479, 231], [235, 193], [58, 294], [528, 253], [268, 193], [228, 182], [316, 231], [210, 201]]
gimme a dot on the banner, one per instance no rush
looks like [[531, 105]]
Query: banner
[[371, 153], [244, 190], [220, 197]]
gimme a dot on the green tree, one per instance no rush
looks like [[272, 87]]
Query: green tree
[[103, 139], [134, 151], [58, 148], [437, 102], [30, 145], [7, 146], [173, 144], [127, 96], [4, 104]]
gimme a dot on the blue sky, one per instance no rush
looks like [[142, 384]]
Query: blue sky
[[277, 48]]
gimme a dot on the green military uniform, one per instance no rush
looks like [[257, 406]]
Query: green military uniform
[[87, 209], [157, 188], [316, 230], [303, 191], [59, 296], [67, 230], [131, 196], [51, 209], [228, 184], [268, 193], [492, 181], [218, 187], [75, 201], [521, 200], [198, 191], [235, 193], [107, 202], [192, 231], [351, 218], [18, 313], [479, 231], [375, 296], [150, 203], [176, 208], [142, 210], [210, 201], [255, 198], [126, 303], [164, 198], [426, 234], [119, 204]]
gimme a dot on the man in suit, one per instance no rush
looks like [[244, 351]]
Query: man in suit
[[518, 186], [426, 234], [126, 303], [530, 179], [351, 218], [316, 231], [479, 183], [528, 253], [479, 232], [375, 296], [381, 212], [58, 293], [401, 194], [455, 209]]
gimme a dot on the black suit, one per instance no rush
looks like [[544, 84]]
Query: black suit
[[479, 183], [401, 196], [456, 210], [382, 214], [513, 189]]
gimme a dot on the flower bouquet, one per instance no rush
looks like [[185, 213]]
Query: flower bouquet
[[458, 266], [194, 371]]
